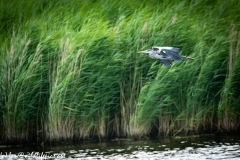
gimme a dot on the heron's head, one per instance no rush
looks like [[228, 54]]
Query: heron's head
[[146, 51]]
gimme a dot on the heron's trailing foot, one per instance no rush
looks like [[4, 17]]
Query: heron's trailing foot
[[190, 58]]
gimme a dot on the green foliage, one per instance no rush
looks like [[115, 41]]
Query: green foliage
[[71, 68]]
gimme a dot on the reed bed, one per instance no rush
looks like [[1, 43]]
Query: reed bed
[[70, 69]]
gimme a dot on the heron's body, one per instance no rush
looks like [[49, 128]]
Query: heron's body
[[166, 54]]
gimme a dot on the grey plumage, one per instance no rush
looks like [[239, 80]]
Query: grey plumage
[[166, 54]]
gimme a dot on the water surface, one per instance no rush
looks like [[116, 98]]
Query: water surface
[[206, 147]]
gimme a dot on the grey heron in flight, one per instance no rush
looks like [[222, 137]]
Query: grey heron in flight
[[166, 54]]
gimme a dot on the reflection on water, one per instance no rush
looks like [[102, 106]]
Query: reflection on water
[[208, 147]]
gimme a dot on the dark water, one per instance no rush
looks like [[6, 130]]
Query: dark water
[[207, 147]]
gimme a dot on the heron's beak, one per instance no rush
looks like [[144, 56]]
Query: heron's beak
[[146, 51]]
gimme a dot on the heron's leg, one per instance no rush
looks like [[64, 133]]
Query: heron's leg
[[190, 58]]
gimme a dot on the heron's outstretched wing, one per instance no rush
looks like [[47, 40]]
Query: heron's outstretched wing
[[168, 48], [173, 54], [172, 49], [167, 62]]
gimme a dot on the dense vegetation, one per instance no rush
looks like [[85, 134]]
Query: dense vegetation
[[70, 69]]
